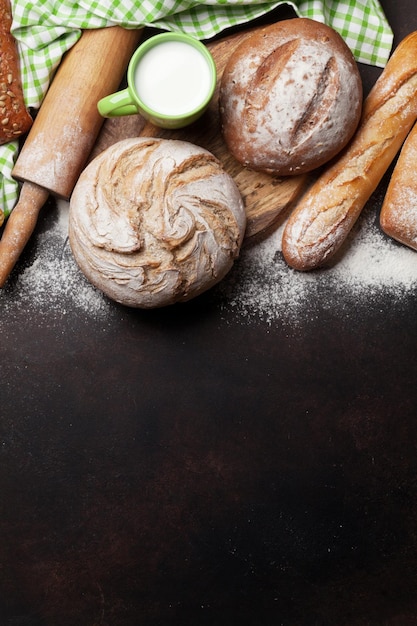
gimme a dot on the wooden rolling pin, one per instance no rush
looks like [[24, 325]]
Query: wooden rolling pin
[[64, 131]]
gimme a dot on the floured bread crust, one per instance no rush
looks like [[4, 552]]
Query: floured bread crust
[[155, 221], [398, 217], [325, 215], [290, 97]]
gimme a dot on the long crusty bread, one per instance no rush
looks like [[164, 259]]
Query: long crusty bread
[[326, 213], [15, 119], [398, 216]]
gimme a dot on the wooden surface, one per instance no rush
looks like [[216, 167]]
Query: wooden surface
[[266, 197]]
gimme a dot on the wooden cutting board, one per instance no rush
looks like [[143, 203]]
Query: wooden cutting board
[[265, 197]]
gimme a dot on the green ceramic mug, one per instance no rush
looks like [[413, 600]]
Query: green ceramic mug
[[171, 79]]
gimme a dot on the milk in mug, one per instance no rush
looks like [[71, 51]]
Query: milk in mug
[[172, 78]]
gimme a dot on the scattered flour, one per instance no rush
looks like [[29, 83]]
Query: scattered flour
[[260, 287], [371, 267], [52, 282]]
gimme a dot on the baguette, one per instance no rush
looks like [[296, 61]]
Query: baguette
[[398, 218], [15, 119], [325, 215]]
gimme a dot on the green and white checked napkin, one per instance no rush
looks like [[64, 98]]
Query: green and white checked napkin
[[46, 29]]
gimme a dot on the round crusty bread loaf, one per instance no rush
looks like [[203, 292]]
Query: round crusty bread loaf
[[290, 97], [155, 221]]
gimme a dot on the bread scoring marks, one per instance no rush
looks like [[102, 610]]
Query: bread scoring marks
[[328, 210], [155, 221], [289, 105]]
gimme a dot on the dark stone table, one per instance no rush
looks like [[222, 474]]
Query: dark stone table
[[248, 458]]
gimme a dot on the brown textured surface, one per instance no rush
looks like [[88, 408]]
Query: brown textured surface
[[180, 469]]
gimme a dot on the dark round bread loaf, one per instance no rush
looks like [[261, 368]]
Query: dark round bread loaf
[[290, 97]]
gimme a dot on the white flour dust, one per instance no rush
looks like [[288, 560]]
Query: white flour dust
[[371, 266], [260, 287], [52, 282]]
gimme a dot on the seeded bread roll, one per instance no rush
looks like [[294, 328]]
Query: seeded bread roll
[[155, 221], [399, 210], [290, 97], [14, 117]]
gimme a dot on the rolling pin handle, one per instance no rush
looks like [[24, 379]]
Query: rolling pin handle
[[20, 226]]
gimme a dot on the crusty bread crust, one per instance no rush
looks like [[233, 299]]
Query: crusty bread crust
[[398, 216], [15, 119], [290, 97], [155, 221], [325, 215]]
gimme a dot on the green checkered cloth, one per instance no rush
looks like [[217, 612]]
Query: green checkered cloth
[[46, 29]]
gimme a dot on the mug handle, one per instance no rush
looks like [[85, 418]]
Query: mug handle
[[117, 104]]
